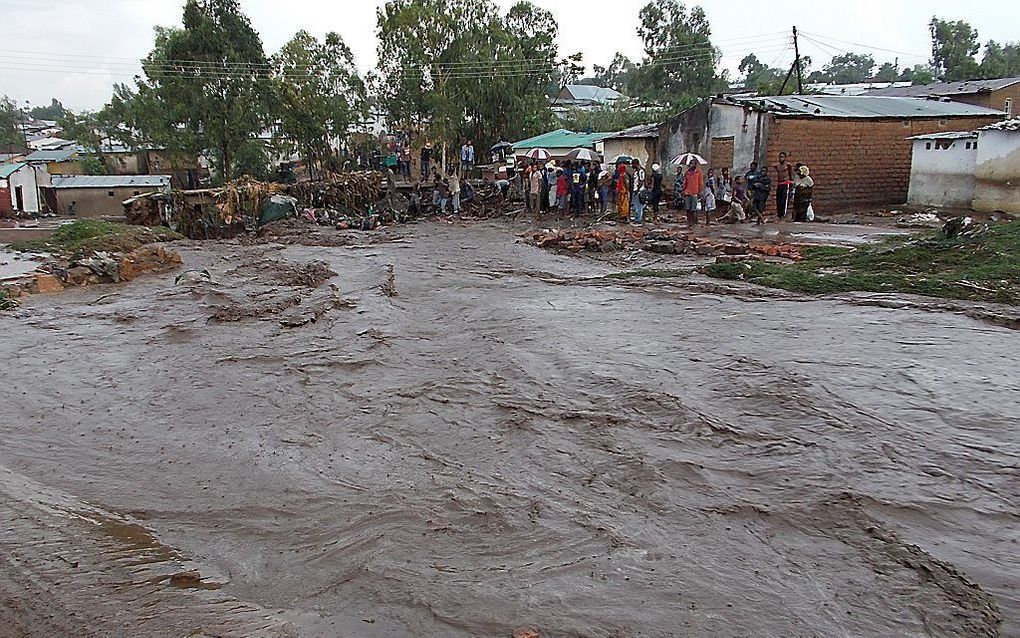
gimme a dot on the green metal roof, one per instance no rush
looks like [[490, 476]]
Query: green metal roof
[[6, 170], [560, 138]]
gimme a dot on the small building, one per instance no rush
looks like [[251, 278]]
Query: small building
[[942, 169], [19, 189], [997, 174], [57, 162], [1001, 94], [99, 195], [858, 148], [586, 96], [559, 142], [856, 88], [640, 142]]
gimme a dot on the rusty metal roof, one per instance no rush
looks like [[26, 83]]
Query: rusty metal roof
[[864, 106]]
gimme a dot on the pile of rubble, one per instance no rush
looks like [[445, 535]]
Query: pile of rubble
[[667, 241], [95, 268]]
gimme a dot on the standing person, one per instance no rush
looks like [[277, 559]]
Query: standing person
[[550, 176], [444, 192], [535, 192], [426, 158], [592, 188], [467, 157], [708, 195], [454, 183], [637, 191], [562, 189], [405, 162], [437, 181], [759, 183], [784, 182], [623, 190], [694, 184], [605, 183], [803, 189], [724, 191], [577, 181], [656, 193]]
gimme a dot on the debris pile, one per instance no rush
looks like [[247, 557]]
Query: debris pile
[[95, 268], [666, 241], [345, 193]]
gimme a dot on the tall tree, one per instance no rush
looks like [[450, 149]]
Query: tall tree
[[10, 118], [886, 73], [207, 84], [849, 68], [953, 47], [54, 111], [680, 61], [917, 75], [1000, 61], [619, 75], [458, 68], [320, 94]]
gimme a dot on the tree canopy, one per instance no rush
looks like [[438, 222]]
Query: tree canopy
[[460, 69], [10, 133], [953, 47], [680, 61]]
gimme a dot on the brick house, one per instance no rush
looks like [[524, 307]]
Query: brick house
[[858, 148], [1001, 94]]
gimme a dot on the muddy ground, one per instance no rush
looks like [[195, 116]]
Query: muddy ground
[[462, 435]]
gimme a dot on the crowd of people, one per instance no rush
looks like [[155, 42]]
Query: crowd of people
[[629, 190]]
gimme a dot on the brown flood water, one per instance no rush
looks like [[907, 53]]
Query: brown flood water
[[498, 445]]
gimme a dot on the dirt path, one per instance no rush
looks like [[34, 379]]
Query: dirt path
[[474, 446]]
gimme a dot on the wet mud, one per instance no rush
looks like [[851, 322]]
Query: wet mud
[[475, 437]]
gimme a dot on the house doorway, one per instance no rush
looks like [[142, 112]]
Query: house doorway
[[19, 199]]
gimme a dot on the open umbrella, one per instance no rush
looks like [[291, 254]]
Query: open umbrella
[[538, 154], [622, 159], [687, 158], [584, 155], [501, 146]]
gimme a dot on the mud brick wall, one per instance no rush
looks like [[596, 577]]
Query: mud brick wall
[[855, 162]]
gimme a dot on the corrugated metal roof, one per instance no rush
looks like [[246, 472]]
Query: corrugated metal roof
[[6, 170], [966, 87], [110, 181], [560, 138], [51, 156], [957, 135], [639, 131], [865, 106], [588, 93]]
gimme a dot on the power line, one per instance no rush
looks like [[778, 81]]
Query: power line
[[865, 46]]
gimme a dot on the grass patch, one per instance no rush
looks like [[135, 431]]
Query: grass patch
[[669, 273], [88, 235], [981, 268], [7, 302]]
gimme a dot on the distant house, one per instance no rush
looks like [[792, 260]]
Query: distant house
[[1002, 94], [859, 88], [640, 142], [942, 169], [858, 148], [56, 162], [587, 96], [19, 189], [559, 142], [99, 195], [44, 142], [997, 173]]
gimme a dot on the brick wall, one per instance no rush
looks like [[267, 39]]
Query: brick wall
[[855, 162]]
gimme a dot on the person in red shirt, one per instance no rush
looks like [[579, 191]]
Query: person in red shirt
[[694, 183], [562, 188]]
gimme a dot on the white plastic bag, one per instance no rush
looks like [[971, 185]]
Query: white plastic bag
[[810, 213]]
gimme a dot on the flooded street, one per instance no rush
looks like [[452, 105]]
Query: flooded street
[[495, 438]]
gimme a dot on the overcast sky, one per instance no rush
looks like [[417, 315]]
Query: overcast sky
[[76, 50]]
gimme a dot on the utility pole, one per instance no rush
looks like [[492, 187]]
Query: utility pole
[[796, 62], [794, 67]]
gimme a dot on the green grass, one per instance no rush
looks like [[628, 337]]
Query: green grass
[[981, 268], [650, 272], [93, 235]]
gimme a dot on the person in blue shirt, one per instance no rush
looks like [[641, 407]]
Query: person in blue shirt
[[467, 156]]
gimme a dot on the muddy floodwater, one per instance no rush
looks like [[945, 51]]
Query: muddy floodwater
[[459, 435]]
